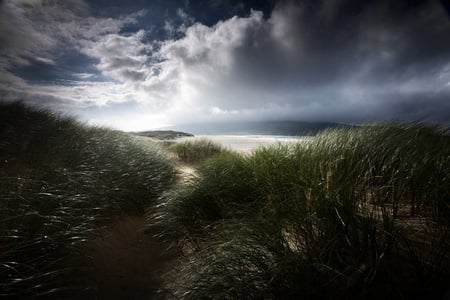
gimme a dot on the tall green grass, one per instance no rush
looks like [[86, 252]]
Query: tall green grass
[[59, 179], [352, 213], [196, 150]]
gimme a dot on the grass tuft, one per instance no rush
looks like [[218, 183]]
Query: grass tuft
[[196, 150]]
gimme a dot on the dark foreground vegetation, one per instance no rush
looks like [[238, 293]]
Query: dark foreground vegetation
[[59, 180], [360, 213], [355, 213]]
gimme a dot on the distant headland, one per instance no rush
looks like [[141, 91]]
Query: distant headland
[[162, 134]]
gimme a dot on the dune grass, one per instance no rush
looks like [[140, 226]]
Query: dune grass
[[353, 213], [196, 150], [59, 179]]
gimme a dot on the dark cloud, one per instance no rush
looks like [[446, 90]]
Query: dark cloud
[[340, 60], [322, 59], [309, 43]]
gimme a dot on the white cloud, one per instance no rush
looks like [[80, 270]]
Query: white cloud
[[120, 57], [298, 63], [38, 30], [83, 75], [32, 29]]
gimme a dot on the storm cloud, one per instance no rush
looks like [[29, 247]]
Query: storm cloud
[[342, 61]]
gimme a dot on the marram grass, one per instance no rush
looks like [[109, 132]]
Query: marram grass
[[352, 213], [197, 150], [59, 180]]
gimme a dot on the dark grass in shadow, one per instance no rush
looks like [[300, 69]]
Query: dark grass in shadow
[[59, 180]]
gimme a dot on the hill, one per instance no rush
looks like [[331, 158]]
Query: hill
[[162, 134], [60, 181]]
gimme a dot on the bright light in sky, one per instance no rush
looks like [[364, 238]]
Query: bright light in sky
[[138, 65]]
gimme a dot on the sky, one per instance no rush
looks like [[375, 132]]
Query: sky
[[139, 65]]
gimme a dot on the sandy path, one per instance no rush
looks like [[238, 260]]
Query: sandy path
[[124, 262], [185, 172]]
